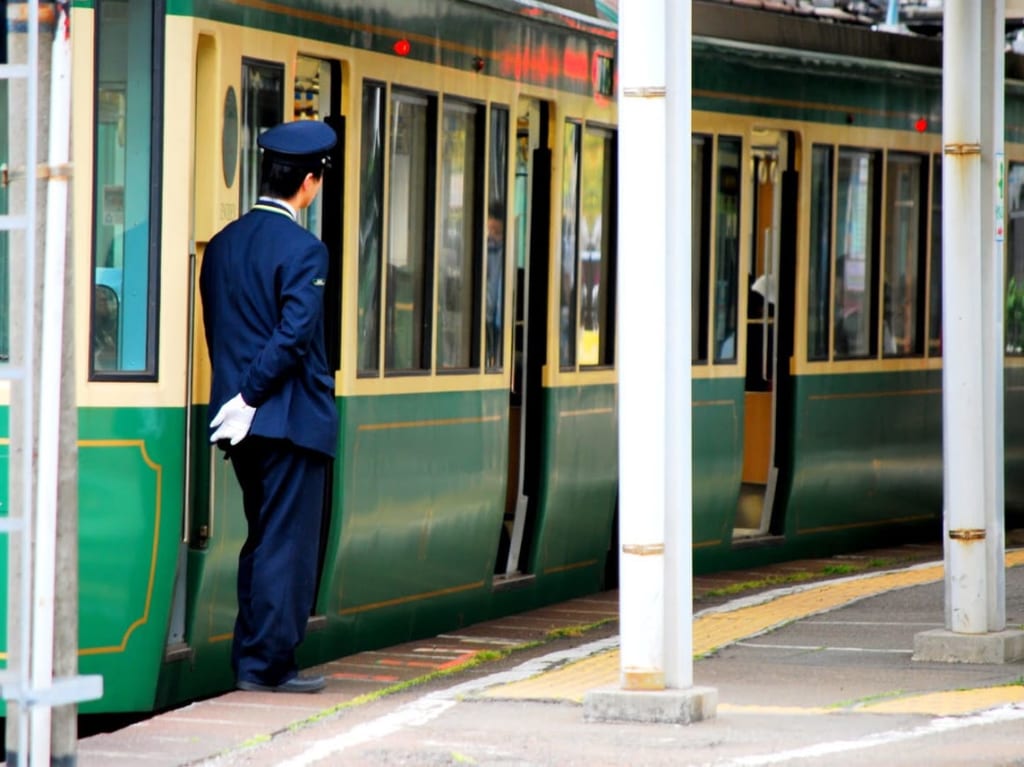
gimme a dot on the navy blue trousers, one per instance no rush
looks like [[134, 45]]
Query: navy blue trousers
[[283, 494]]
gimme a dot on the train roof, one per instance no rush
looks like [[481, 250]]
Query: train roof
[[594, 16], [757, 25], [917, 17], [789, 28]]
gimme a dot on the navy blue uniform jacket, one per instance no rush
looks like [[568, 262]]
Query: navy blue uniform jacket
[[262, 285]]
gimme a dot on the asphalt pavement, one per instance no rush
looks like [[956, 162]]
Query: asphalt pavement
[[807, 674]]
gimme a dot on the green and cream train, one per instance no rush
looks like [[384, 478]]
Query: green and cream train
[[470, 214]]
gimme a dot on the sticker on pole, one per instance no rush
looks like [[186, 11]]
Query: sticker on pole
[[1000, 196]]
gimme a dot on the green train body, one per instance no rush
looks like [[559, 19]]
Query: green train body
[[469, 489]]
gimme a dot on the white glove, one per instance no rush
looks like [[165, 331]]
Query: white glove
[[232, 420]]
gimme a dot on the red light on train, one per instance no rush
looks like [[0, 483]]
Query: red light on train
[[402, 47], [921, 124]]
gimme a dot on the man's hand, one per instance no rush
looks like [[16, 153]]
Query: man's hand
[[232, 421]]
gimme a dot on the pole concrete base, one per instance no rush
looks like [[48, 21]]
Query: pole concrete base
[[944, 646], [693, 704]]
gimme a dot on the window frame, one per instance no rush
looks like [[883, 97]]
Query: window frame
[[609, 229], [150, 370], [920, 257], [874, 209], [479, 111], [429, 268], [701, 261]]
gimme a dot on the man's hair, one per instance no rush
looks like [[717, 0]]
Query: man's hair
[[282, 180]]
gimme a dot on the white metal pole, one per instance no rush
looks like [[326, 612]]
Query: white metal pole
[[51, 352], [962, 389], [678, 375], [29, 398], [993, 89], [641, 250]]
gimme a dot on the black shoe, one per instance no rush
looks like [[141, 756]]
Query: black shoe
[[295, 684]]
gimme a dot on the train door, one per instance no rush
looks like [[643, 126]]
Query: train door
[[769, 312], [318, 97], [213, 516], [529, 334]]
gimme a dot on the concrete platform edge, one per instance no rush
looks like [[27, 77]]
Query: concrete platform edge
[[683, 706]]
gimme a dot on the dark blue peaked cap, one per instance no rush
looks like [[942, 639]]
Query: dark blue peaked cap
[[300, 141]]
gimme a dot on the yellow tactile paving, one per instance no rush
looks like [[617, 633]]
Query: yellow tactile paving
[[946, 703], [715, 630], [950, 703]]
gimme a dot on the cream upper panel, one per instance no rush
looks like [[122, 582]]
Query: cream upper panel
[[187, 222]]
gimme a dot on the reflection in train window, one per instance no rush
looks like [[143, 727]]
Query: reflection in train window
[[5, 289], [262, 109], [1015, 261], [570, 230], [587, 317], [700, 247], [497, 219], [597, 249], [819, 271], [903, 296], [879, 300], [935, 265], [727, 248], [854, 299], [106, 308], [458, 307], [371, 223], [407, 302], [125, 248], [312, 102]]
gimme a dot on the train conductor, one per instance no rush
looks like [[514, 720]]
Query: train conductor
[[262, 285]]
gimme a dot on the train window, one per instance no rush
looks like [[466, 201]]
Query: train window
[[819, 271], [1014, 330], [588, 252], [458, 304], [371, 224], [570, 199], [408, 283], [312, 88], [262, 109], [902, 291], [727, 248], [5, 288], [854, 301], [935, 266], [596, 238], [497, 195], [126, 205], [700, 247]]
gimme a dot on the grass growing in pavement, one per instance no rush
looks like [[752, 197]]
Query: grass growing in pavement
[[839, 569], [868, 699], [799, 577], [577, 631]]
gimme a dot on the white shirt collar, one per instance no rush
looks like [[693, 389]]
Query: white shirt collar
[[281, 203]]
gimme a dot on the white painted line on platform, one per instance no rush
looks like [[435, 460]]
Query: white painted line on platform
[[934, 727], [821, 622], [432, 705], [819, 648]]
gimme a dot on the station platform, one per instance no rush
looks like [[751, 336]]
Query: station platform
[[811, 662]]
